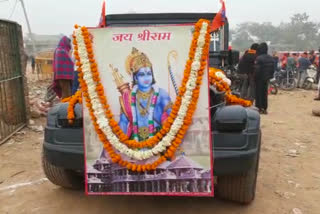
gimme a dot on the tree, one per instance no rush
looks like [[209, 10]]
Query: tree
[[299, 34], [241, 40]]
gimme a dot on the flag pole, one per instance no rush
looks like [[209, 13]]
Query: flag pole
[[29, 27], [222, 37]]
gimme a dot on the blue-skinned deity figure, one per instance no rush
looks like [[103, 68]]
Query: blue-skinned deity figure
[[144, 106]]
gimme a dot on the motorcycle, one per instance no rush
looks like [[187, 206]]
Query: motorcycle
[[310, 78], [285, 79], [232, 74], [273, 87]]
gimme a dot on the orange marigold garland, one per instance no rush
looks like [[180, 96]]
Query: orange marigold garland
[[217, 81], [167, 125], [73, 100], [116, 158], [222, 86]]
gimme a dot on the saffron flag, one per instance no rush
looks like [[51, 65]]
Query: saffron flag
[[220, 18], [102, 21]]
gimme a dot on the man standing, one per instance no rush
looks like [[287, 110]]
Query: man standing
[[276, 61], [304, 64], [291, 62], [33, 64], [318, 96], [63, 68], [317, 63], [312, 57], [284, 60], [246, 67], [264, 70]]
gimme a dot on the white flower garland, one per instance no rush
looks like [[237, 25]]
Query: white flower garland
[[224, 78], [103, 121]]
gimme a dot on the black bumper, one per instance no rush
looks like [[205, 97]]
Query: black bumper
[[65, 156], [70, 156], [233, 162]]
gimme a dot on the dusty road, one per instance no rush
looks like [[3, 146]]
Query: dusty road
[[289, 174]]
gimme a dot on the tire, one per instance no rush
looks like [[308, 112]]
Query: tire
[[62, 177], [288, 86], [308, 86], [240, 188]]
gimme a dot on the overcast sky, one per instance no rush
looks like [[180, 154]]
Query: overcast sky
[[59, 16]]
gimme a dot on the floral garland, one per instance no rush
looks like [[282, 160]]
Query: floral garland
[[172, 133], [217, 78], [167, 125], [73, 100], [105, 124]]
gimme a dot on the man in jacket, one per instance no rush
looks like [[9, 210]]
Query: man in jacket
[[276, 61], [246, 67], [291, 62], [312, 57], [304, 64], [264, 70]]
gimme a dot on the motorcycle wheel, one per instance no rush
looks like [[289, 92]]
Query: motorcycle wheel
[[288, 85], [307, 85]]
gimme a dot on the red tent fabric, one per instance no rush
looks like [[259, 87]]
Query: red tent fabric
[[220, 18]]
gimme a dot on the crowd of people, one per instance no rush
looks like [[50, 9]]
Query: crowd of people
[[257, 67], [301, 62]]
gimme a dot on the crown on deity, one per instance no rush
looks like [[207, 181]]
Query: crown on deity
[[136, 60]]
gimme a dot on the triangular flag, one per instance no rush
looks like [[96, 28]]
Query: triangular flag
[[102, 21], [220, 18]]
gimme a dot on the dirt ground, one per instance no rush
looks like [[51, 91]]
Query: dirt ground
[[288, 182]]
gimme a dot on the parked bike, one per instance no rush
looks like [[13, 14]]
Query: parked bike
[[273, 87], [285, 79], [236, 79], [310, 77]]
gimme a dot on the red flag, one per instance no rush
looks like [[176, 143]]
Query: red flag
[[219, 19], [102, 21]]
